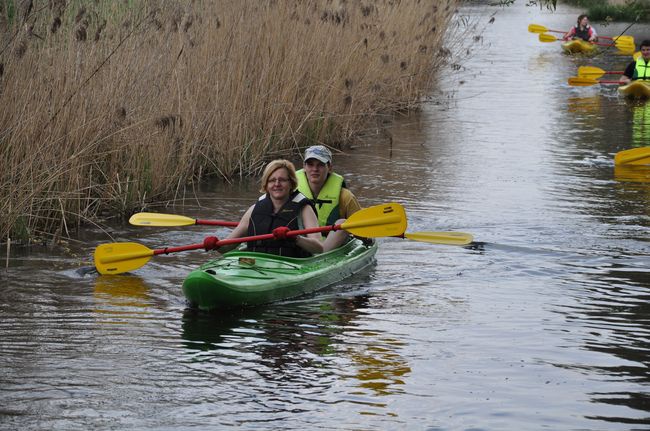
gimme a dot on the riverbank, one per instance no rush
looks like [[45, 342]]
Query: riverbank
[[616, 10], [108, 109]]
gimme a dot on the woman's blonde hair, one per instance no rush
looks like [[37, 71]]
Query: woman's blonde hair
[[274, 166]]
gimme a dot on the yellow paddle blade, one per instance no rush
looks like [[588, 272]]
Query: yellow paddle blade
[[536, 28], [581, 81], [381, 220], [627, 39], [449, 238], [590, 72], [626, 49], [120, 257], [626, 43], [636, 55], [164, 220], [622, 40], [634, 156], [545, 37]]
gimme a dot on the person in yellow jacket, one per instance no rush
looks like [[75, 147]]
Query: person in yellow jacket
[[639, 68], [333, 201]]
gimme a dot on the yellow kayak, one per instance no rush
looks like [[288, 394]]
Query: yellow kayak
[[636, 89], [577, 46], [632, 173]]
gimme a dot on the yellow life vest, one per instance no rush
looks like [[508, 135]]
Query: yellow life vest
[[642, 70], [327, 201]]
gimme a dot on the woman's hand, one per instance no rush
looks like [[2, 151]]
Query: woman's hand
[[210, 243]]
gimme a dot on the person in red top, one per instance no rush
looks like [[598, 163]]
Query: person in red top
[[582, 30]]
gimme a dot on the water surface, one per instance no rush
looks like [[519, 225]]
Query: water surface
[[543, 324]]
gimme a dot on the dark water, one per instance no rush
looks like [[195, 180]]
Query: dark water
[[544, 326]]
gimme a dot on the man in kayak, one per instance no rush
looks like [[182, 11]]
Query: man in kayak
[[334, 202], [280, 209], [639, 68], [582, 30]]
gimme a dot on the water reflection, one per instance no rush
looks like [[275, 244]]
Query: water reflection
[[380, 369], [308, 326], [122, 297], [589, 105], [615, 307], [640, 124], [301, 343], [203, 331]]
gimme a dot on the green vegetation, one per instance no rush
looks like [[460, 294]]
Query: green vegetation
[[631, 10]]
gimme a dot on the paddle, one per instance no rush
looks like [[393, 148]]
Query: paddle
[[595, 72], [621, 45], [449, 238], [166, 220], [536, 28], [634, 156], [582, 81], [377, 221]]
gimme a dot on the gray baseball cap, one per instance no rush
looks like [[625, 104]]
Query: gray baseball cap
[[318, 152]]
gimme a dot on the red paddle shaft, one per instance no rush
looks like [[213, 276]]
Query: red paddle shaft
[[212, 242], [217, 223]]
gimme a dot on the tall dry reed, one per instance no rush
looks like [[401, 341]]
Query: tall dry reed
[[105, 106]]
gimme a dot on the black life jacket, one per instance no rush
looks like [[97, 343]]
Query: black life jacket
[[263, 221], [582, 34]]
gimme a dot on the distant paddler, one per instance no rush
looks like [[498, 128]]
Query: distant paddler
[[582, 30]]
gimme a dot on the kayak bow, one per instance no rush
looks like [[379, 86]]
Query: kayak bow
[[241, 278], [636, 89], [577, 46]]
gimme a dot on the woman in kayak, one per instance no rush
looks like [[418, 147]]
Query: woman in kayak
[[582, 30], [280, 209]]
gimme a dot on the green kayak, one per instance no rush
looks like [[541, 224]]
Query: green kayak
[[240, 278]]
